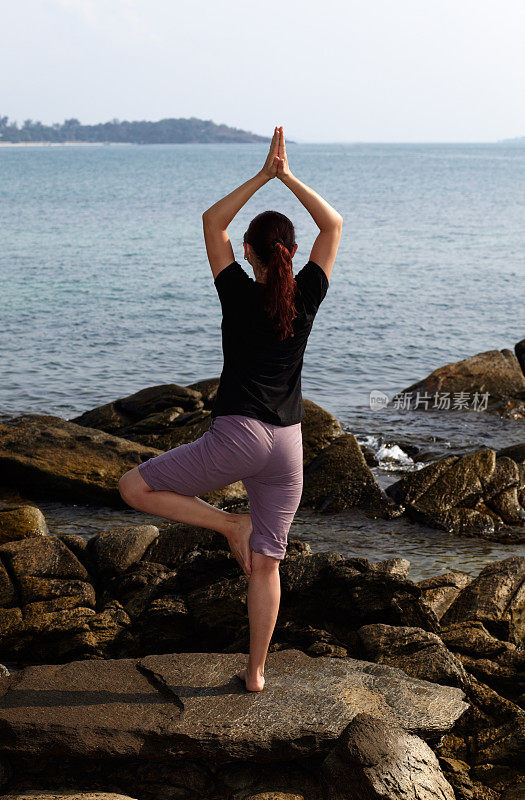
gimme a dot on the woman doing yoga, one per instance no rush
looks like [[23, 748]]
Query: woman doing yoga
[[255, 433]]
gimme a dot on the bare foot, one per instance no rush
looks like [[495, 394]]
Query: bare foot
[[253, 684], [239, 541]]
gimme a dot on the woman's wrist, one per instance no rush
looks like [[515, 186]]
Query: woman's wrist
[[287, 178], [263, 176]]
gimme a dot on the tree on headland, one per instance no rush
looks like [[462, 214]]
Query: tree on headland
[[165, 131]]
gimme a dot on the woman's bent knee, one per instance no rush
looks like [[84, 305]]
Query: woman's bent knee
[[132, 486]]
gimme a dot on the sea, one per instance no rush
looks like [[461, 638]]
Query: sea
[[106, 289]]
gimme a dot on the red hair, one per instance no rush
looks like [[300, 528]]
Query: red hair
[[272, 237]]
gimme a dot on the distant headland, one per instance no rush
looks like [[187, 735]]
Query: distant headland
[[165, 131]]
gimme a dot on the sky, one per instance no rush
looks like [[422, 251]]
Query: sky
[[327, 70]]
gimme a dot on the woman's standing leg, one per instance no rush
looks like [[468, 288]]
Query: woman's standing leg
[[264, 596], [275, 493]]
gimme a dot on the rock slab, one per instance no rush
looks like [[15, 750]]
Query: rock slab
[[381, 760], [192, 705]]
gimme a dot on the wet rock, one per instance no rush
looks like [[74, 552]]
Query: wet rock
[[488, 712], [377, 759], [461, 483], [119, 548], [44, 568], [21, 522], [472, 638], [153, 399], [175, 540], [496, 597], [301, 573], [269, 782], [207, 389], [166, 623], [496, 372], [79, 546], [464, 522], [56, 615], [192, 705], [503, 744], [8, 592], [311, 640], [498, 663], [219, 612], [108, 417], [516, 452], [11, 629], [439, 591], [369, 456], [353, 592], [463, 495], [507, 506], [112, 417], [394, 566], [339, 478], [504, 476], [51, 457], [170, 428], [319, 429], [519, 349], [159, 423], [413, 485], [419, 653]]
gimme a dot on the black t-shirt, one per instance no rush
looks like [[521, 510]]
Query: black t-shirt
[[261, 376]]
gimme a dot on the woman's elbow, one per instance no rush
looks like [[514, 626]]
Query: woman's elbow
[[208, 218]]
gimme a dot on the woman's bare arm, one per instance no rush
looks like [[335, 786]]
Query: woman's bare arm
[[216, 219], [327, 219]]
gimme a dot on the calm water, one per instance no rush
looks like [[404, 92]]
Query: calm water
[[106, 289]]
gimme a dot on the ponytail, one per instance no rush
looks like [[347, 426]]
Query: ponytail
[[272, 237], [280, 289]]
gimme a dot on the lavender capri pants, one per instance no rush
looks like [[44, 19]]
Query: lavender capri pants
[[267, 458]]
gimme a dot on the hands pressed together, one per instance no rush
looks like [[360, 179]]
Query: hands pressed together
[[276, 164]]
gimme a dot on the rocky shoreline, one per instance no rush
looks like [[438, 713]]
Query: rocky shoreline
[[121, 649], [126, 646]]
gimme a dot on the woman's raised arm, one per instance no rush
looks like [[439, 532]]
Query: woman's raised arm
[[216, 219], [327, 219]]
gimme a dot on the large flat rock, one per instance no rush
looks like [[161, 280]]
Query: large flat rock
[[191, 704]]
